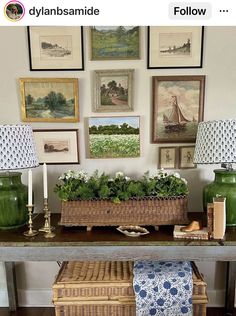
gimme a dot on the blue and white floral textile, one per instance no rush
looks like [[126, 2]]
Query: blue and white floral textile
[[163, 288]]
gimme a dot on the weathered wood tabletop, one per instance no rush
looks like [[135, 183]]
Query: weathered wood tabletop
[[106, 243]]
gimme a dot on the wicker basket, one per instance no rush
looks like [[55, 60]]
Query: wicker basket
[[148, 211], [105, 289]]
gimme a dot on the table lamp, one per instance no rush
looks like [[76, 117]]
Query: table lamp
[[17, 151], [216, 144]]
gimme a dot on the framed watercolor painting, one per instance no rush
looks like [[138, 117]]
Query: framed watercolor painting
[[186, 154], [113, 90], [49, 99], [178, 106], [114, 137], [175, 47], [57, 146], [115, 42], [168, 158], [56, 47]]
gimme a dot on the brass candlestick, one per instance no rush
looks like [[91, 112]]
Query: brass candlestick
[[49, 233], [47, 226], [30, 232]]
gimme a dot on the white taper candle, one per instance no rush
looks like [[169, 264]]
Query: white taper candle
[[45, 181], [30, 187]]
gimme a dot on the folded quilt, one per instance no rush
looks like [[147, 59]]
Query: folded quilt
[[163, 288]]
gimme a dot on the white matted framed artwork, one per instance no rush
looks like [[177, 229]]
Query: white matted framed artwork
[[57, 146], [175, 47], [56, 48]]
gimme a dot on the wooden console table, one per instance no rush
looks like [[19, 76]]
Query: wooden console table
[[108, 244]]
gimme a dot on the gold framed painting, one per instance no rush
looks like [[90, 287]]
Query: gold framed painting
[[49, 99]]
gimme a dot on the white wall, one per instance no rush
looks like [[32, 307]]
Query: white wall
[[219, 66]]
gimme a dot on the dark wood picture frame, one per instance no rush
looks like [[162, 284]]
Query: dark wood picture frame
[[67, 148], [75, 39], [183, 47], [178, 107]]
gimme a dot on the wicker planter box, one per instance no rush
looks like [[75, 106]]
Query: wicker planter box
[[148, 211], [105, 289]]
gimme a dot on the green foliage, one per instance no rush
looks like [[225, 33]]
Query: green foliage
[[79, 186], [114, 146]]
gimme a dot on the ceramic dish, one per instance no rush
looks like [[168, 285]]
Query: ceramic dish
[[133, 231]]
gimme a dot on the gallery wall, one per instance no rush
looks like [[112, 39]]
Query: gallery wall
[[219, 67]]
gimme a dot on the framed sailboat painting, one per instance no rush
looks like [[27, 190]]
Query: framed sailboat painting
[[178, 107]]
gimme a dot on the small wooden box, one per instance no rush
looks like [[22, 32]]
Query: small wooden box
[[105, 289]]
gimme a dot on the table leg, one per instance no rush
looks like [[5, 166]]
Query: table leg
[[11, 285], [230, 288]]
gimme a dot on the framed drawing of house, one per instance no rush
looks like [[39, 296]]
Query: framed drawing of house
[[175, 47], [56, 48], [178, 103]]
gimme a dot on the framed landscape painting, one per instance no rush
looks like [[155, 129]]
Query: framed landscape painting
[[178, 106], [49, 99], [175, 46], [56, 47], [115, 42], [57, 146], [113, 90], [114, 137]]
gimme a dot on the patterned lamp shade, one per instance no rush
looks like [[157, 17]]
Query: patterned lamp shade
[[216, 142], [17, 148]]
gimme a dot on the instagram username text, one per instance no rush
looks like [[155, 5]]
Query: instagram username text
[[59, 11]]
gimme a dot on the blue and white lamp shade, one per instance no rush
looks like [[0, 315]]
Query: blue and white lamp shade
[[216, 142], [17, 147]]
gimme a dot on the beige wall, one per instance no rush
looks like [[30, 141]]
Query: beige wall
[[219, 66]]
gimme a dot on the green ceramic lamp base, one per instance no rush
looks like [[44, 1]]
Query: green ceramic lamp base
[[13, 200], [224, 185]]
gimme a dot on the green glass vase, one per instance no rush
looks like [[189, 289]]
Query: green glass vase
[[13, 200], [224, 185]]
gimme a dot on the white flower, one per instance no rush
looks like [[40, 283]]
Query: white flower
[[184, 181], [127, 178], [177, 175], [119, 174], [70, 174]]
